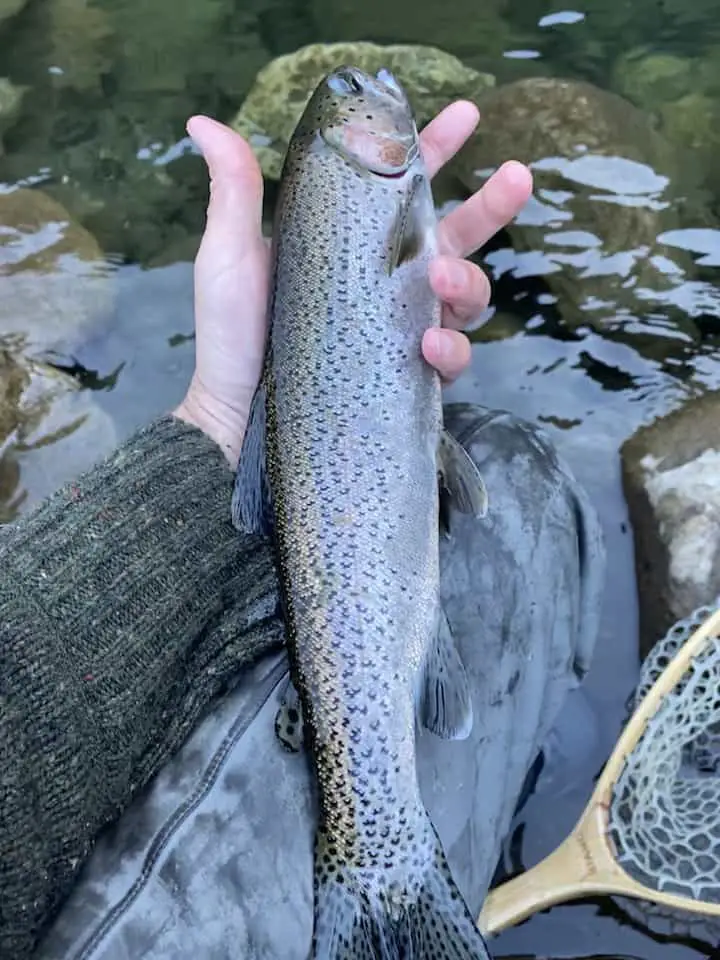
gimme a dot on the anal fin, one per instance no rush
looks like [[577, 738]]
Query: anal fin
[[445, 706], [460, 477]]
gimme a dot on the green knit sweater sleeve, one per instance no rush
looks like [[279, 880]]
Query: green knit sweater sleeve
[[127, 602]]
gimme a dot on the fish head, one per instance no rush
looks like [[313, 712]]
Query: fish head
[[367, 120]]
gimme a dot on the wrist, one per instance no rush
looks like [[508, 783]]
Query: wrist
[[225, 427]]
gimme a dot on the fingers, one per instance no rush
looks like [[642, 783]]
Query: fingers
[[463, 288], [446, 133], [236, 186], [460, 285], [472, 224], [446, 350]]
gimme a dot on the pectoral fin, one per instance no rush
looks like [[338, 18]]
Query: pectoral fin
[[460, 477], [251, 501], [445, 705], [444, 514], [406, 235]]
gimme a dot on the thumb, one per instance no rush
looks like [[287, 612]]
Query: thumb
[[234, 218]]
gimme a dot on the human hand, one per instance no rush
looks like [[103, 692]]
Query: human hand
[[232, 270]]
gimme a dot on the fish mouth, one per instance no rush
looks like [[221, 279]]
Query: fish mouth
[[372, 163], [412, 155]]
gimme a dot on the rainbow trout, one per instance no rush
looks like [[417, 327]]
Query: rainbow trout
[[340, 466]]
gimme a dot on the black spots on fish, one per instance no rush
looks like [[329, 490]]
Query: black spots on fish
[[289, 727], [360, 914]]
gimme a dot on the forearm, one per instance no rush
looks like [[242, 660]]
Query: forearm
[[127, 602]]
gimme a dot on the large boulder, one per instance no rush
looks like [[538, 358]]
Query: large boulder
[[671, 478], [604, 182], [269, 114]]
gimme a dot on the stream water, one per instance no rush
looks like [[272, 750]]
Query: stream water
[[107, 88]]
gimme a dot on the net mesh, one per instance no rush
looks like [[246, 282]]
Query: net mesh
[[665, 810]]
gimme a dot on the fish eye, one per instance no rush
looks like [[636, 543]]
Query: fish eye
[[344, 82]]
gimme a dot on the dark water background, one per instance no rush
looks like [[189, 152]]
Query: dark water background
[[101, 128]]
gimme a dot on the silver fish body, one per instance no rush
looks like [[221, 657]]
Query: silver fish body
[[340, 464]]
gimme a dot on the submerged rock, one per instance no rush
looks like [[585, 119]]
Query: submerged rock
[[671, 478], [79, 38], [9, 8], [477, 33], [650, 79], [13, 381], [603, 191], [115, 135], [267, 118], [11, 97], [55, 285], [693, 124], [50, 429], [682, 92], [55, 291]]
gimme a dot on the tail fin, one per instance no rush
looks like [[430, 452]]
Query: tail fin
[[355, 922]]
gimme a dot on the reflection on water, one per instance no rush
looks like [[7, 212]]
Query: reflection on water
[[606, 309]]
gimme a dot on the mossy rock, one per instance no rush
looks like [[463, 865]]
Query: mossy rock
[[652, 79], [693, 124], [269, 115], [693, 121], [603, 178], [683, 95], [56, 289]]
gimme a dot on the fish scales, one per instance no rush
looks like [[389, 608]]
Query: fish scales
[[352, 421], [359, 509]]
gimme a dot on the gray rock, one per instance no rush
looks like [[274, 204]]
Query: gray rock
[[215, 859], [671, 478]]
